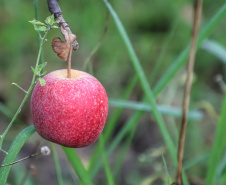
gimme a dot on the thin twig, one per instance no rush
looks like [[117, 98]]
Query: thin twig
[[28, 157], [43, 150], [186, 100], [29, 165], [19, 87]]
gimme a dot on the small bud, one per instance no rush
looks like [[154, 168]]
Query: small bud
[[42, 81], [45, 150]]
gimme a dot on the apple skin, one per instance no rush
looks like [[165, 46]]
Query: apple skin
[[69, 111]]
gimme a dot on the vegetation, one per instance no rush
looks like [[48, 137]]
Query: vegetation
[[138, 50]]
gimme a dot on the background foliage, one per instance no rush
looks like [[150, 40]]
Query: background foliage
[[159, 32]]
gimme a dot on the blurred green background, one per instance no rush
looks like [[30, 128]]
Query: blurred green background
[[159, 31]]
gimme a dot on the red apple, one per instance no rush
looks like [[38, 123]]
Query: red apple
[[69, 111]]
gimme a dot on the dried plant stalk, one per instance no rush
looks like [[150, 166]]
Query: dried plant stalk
[[186, 100]]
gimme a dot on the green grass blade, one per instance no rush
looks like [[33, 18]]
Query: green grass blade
[[183, 57], [196, 160], [123, 151], [166, 110], [160, 59], [110, 178], [143, 81], [145, 85], [128, 126], [94, 158], [215, 49], [116, 103], [134, 80], [88, 59], [125, 95], [218, 147], [14, 149], [205, 33], [221, 167], [57, 164], [77, 165], [223, 180], [146, 88], [181, 60], [110, 125], [166, 169]]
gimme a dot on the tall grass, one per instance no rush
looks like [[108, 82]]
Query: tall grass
[[105, 148], [218, 147], [13, 152]]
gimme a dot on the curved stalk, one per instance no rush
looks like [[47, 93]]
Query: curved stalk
[[188, 85]]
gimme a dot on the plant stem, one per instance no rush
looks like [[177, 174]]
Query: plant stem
[[39, 39], [15, 115], [107, 168], [39, 55], [186, 101], [57, 164], [4, 151], [25, 158], [19, 87], [27, 94], [14, 149], [69, 63]]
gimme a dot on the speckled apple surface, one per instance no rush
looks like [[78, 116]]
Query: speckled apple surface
[[69, 111]]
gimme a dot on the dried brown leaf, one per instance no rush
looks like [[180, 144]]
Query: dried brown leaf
[[62, 48]]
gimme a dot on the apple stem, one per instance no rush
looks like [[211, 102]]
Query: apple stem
[[69, 63]]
